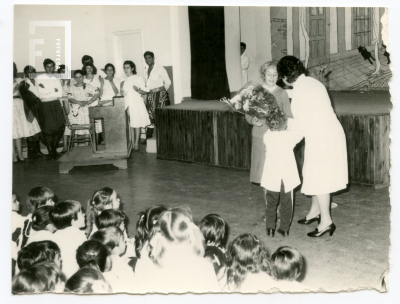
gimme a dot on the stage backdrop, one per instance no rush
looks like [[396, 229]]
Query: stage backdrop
[[207, 46]]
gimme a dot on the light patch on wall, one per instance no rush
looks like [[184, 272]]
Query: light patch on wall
[[333, 29]]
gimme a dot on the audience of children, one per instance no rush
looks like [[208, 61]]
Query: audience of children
[[173, 254]]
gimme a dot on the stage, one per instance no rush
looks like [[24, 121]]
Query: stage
[[211, 133]]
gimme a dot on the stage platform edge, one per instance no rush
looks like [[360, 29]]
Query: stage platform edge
[[83, 156]]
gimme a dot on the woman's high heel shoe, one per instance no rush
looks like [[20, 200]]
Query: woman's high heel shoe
[[305, 221], [331, 229]]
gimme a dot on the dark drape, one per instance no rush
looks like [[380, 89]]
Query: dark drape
[[207, 47]]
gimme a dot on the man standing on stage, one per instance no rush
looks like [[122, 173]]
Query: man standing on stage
[[245, 63], [158, 82], [51, 114]]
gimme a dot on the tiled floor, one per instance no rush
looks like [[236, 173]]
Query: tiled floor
[[353, 73], [356, 255]]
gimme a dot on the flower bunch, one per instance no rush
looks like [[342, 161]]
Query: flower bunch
[[256, 101]]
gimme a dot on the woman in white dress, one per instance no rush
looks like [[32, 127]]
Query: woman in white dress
[[91, 77], [325, 155], [133, 87], [21, 126], [111, 84]]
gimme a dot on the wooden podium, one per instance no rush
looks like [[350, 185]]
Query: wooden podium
[[118, 145]]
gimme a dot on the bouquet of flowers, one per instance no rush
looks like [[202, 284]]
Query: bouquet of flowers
[[256, 101]]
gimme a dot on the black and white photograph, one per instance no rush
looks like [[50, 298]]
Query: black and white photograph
[[201, 149]]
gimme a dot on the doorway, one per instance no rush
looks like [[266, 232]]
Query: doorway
[[128, 45], [319, 35]]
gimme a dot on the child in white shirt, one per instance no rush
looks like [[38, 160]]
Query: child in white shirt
[[68, 219], [17, 222], [120, 275], [42, 226], [280, 177]]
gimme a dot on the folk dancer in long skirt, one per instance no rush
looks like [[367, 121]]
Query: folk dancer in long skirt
[[158, 82]]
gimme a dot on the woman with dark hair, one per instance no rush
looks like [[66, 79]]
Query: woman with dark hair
[[325, 155], [133, 88], [111, 84], [22, 128], [157, 82]]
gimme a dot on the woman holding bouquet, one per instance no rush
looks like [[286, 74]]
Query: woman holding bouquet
[[269, 73], [325, 155]]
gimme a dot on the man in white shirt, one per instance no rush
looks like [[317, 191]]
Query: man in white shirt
[[245, 62], [158, 82], [52, 117]]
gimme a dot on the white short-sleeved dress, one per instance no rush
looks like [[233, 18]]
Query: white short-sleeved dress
[[325, 157], [139, 118], [21, 126]]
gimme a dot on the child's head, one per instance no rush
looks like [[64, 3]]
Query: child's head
[[38, 197], [66, 214], [287, 263], [15, 203], [87, 280], [144, 227], [245, 255], [37, 252], [214, 230], [42, 277], [111, 217], [176, 232], [111, 237], [105, 198], [93, 253], [41, 219]]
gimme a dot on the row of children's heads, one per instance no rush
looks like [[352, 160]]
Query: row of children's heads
[[41, 265]]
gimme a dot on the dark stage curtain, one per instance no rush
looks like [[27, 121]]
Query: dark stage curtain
[[207, 47]]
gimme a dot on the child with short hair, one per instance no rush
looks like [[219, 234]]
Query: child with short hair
[[113, 239], [17, 222], [68, 218], [214, 230], [37, 197], [94, 254], [248, 268], [42, 226], [103, 199], [42, 277], [287, 266], [38, 252], [280, 177], [87, 281], [116, 218]]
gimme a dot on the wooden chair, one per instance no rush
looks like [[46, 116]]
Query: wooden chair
[[74, 138]]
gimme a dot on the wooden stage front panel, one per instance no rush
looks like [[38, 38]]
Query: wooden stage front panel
[[209, 132]]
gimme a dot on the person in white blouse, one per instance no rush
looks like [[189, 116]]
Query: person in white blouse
[[53, 122], [280, 176], [245, 63], [325, 155], [158, 82], [111, 84]]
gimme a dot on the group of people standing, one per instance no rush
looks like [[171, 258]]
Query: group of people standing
[[273, 165], [38, 111]]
